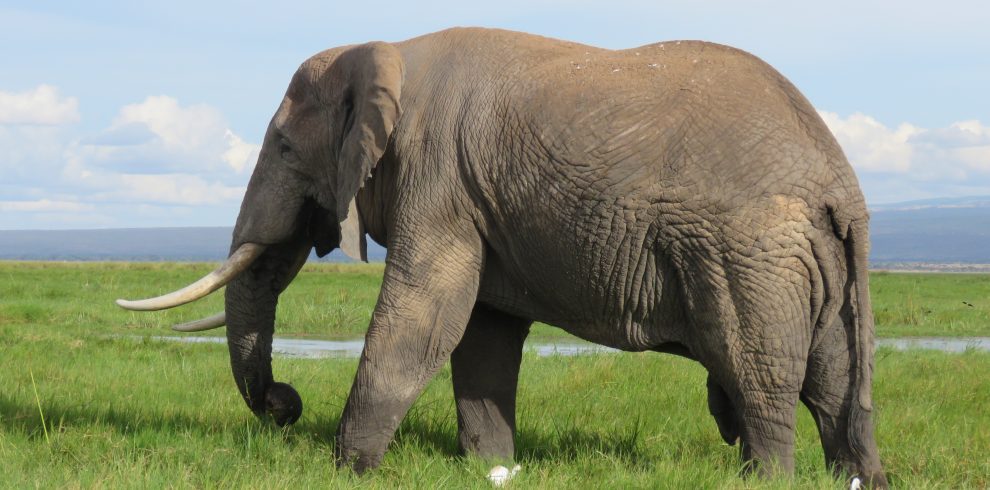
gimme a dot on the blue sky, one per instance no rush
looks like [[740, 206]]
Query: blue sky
[[126, 114]]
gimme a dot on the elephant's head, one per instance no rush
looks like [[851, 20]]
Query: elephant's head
[[321, 146]]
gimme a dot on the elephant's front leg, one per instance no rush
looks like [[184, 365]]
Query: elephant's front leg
[[485, 368], [426, 299]]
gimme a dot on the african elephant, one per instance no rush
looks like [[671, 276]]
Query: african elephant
[[679, 197]]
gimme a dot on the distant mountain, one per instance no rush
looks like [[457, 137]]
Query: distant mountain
[[935, 231], [936, 203], [133, 244]]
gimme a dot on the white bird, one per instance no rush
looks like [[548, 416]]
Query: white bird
[[499, 475]]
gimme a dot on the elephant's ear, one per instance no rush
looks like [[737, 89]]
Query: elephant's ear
[[376, 72]]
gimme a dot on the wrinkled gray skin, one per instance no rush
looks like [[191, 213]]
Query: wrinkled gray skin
[[680, 197]]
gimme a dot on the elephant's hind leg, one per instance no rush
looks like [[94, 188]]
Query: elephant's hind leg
[[828, 394], [485, 368], [754, 322], [726, 417]]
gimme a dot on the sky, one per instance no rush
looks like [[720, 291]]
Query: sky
[[150, 114]]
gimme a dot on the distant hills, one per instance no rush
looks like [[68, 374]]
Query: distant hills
[[133, 244], [945, 234], [939, 231]]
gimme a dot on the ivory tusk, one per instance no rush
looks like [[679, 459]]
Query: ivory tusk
[[238, 261], [208, 323]]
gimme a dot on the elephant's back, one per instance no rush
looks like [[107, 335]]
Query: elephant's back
[[670, 122], [673, 121]]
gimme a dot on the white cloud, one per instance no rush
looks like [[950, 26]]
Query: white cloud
[[159, 136], [190, 127], [240, 155], [41, 105], [175, 164], [965, 144], [177, 189], [911, 162], [161, 152], [43, 205], [31, 153], [974, 157], [875, 146]]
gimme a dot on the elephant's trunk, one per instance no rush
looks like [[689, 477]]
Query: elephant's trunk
[[250, 303], [250, 314]]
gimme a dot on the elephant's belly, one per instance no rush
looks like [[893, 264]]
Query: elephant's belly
[[632, 319]]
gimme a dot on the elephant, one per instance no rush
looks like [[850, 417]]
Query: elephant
[[680, 197]]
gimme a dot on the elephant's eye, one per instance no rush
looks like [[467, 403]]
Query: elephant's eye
[[285, 150]]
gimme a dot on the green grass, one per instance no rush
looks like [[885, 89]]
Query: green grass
[[131, 413], [126, 412], [950, 305], [326, 300], [335, 300]]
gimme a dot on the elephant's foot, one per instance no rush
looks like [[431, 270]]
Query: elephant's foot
[[489, 439], [356, 455], [366, 430]]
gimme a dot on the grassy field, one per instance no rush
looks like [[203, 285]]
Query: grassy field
[[125, 412], [335, 300], [949, 305]]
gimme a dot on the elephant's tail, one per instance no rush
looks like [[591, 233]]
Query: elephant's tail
[[857, 315]]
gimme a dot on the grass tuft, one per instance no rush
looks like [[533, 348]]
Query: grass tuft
[[41, 412]]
